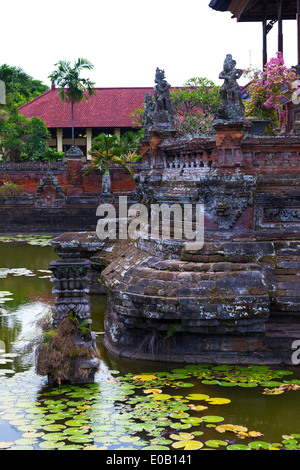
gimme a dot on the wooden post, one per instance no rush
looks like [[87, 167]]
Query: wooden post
[[298, 29], [264, 25], [280, 35]]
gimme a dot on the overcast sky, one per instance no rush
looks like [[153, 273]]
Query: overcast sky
[[127, 39]]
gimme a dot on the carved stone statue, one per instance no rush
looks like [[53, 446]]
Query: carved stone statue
[[164, 112], [149, 112], [106, 183], [232, 107]]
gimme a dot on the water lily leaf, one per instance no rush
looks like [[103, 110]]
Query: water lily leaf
[[218, 401], [154, 447], [227, 384], [247, 384], [210, 382], [144, 377], [238, 447], [192, 420], [259, 445], [162, 396], [212, 419], [254, 434], [187, 445], [20, 447], [53, 427], [197, 407], [32, 434], [179, 426], [12, 416], [129, 438], [274, 391], [152, 390], [215, 443], [6, 445], [182, 436], [197, 396], [25, 442], [54, 436], [81, 438], [231, 427], [51, 444]]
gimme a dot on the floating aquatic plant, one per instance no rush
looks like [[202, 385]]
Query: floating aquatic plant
[[116, 413]]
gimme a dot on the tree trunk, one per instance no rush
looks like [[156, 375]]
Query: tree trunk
[[73, 133]]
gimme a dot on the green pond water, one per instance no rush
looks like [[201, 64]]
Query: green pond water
[[132, 405]]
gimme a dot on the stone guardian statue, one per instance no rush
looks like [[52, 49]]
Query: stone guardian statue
[[232, 107]]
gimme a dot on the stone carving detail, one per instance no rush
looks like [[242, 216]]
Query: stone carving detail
[[71, 286], [164, 113], [49, 192], [106, 183], [286, 214], [232, 107], [225, 201], [148, 114]]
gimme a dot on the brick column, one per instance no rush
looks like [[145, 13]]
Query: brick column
[[74, 178]]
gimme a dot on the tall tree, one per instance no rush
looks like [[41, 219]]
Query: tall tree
[[71, 87]]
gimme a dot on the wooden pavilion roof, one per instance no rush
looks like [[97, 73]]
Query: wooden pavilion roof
[[253, 10]]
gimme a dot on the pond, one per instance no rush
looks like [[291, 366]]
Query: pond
[[132, 405]]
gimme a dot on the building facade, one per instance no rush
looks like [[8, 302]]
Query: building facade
[[108, 111]]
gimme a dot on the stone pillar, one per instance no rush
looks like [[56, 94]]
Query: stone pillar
[[118, 131], [229, 136], [88, 141], [59, 139], [72, 356]]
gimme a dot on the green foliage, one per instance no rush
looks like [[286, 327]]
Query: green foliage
[[57, 349], [112, 149], [172, 330], [71, 86], [47, 155], [20, 87], [195, 105], [9, 188], [25, 139]]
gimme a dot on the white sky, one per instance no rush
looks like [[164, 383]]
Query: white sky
[[127, 39]]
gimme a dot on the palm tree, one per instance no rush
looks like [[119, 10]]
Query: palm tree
[[107, 150], [71, 87]]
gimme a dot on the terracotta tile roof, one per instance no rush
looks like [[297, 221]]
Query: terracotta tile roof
[[110, 107]]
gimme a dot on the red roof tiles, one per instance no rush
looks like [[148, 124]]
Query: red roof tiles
[[110, 107]]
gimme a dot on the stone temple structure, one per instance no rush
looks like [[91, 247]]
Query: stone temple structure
[[234, 298]]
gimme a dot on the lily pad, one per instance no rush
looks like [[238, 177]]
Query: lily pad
[[197, 396], [218, 401], [216, 443], [187, 445]]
